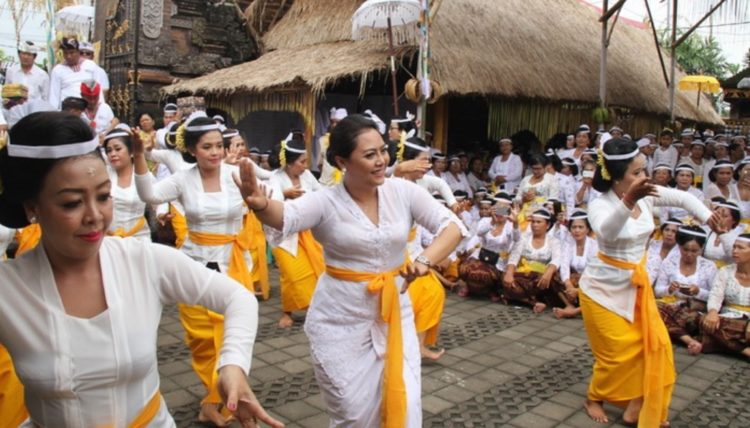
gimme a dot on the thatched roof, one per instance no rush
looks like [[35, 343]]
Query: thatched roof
[[534, 49]]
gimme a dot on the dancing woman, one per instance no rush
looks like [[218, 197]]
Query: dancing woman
[[361, 329], [633, 363], [80, 312]]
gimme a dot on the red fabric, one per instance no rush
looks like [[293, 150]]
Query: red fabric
[[87, 91]]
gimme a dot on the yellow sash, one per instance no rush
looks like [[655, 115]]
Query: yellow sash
[[393, 412], [742, 308], [720, 263], [670, 298], [28, 238], [258, 246], [147, 414], [412, 234], [527, 210], [655, 340], [237, 269], [122, 233], [314, 251], [697, 180], [179, 225], [526, 266]]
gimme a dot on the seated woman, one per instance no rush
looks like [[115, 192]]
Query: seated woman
[[719, 247], [585, 192], [82, 334], [721, 175], [481, 273], [578, 249], [662, 249], [684, 175], [726, 327], [682, 287], [533, 263], [535, 189]]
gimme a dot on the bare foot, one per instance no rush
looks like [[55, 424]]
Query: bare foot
[[286, 320], [595, 410], [210, 414], [429, 354], [539, 307], [566, 312]]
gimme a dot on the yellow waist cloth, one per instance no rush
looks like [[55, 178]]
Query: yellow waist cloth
[[526, 266], [527, 210], [179, 225], [258, 250], [720, 263], [668, 299], [237, 268], [655, 341], [122, 233], [12, 407], [28, 238], [742, 308], [147, 414], [393, 411]]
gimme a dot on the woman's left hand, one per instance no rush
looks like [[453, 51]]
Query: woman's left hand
[[240, 399], [715, 223], [412, 272]]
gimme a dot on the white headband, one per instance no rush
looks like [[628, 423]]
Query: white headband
[[485, 202], [675, 223], [416, 147], [579, 217], [293, 150], [199, 128], [52, 152], [569, 163], [117, 134], [723, 165], [692, 232], [621, 157], [742, 238], [231, 134], [728, 206], [546, 216], [685, 168], [663, 166]]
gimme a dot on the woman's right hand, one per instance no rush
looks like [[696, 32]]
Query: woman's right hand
[[252, 192], [639, 189], [711, 321], [294, 192], [137, 143], [508, 280]]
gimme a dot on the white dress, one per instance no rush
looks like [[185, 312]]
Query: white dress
[[726, 290], [712, 191], [588, 195], [623, 237], [212, 212], [474, 181], [127, 207], [703, 277], [511, 169], [566, 188], [346, 333], [279, 182], [571, 261], [102, 371]]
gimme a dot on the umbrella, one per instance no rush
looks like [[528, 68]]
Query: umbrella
[[700, 84], [375, 16], [74, 18]]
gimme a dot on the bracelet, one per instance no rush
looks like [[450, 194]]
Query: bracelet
[[268, 202]]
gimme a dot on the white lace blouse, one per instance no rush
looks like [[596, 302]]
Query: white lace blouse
[[669, 271], [726, 290], [654, 260], [571, 261], [502, 243], [279, 182], [549, 253], [547, 188]]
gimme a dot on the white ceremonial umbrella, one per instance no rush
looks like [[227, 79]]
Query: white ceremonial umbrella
[[377, 19], [74, 19]]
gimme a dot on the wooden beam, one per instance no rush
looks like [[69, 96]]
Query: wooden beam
[[607, 13], [656, 41]]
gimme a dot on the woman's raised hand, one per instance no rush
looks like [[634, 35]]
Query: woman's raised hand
[[252, 192], [639, 189], [139, 146]]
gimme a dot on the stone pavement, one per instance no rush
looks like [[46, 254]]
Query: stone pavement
[[504, 366]]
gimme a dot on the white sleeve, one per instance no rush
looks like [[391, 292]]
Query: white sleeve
[[716, 295], [261, 173], [183, 280], [515, 168], [54, 89], [517, 251], [661, 288], [678, 198], [171, 158], [428, 212], [607, 220], [706, 274], [554, 244], [494, 168], [303, 213], [437, 184], [154, 193], [569, 248]]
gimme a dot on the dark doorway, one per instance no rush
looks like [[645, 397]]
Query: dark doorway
[[467, 124]]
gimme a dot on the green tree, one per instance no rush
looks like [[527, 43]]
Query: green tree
[[699, 55]]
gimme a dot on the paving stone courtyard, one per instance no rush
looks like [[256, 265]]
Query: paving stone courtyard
[[504, 366]]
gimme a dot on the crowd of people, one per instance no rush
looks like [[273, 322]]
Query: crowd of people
[[368, 236]]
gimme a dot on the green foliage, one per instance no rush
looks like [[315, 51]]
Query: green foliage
[[747, 58], [698, 55]]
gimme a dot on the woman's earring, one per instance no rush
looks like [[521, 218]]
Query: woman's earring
[[32, 219]]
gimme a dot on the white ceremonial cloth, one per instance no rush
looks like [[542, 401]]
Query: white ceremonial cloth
[[346, 333], [102, 371], [623, 237], [213, 212], [279, 182]]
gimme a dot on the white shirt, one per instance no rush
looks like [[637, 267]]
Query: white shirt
[[511, 169], [347, 338], [127, 207], [102, 371], [548, 254], [212, 212], [6, 237], [36, 80], [475, 182], [726, 290], [546, 188], [459, 182], [654, 260], [668, 156], [705, 270], [64, 82], [279, 182], [623, 237], [102, 119], [722, 250], [501, 243]]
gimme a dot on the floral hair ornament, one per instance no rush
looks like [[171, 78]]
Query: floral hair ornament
[[401, 147], [602, 166]]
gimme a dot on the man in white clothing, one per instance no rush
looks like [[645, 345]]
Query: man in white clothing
[[65, 79], [28, 74], [97, 114], [169, 115]]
